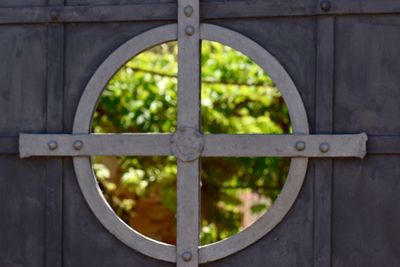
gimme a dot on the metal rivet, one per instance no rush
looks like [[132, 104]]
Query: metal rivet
[[52, 145], [325, 5], [324, 147], [78, 144], [188, 11], [189, 30], [186, 256], [300, 145], [54, 14]]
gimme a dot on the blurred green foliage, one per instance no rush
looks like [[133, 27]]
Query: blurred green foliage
[[237, 97]]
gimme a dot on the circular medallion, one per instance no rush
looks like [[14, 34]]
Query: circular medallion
[[187, 144]]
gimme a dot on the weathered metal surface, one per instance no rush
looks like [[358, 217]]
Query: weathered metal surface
[[190, 146], [54, 121], [297, 169], [365, 99], [381, 145], [188, 178], [324, 108], [296, 173], [364, 205], [22, 108], [325, 5], [253, 9], [209, 10], [74, 14], [187, 144], [9, 145], [376, 145], [284, 145], [95, 144]]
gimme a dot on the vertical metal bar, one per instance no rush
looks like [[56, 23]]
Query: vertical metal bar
[[188, 213], [324, 125], [189, 64], [188, 182], [54, 167]]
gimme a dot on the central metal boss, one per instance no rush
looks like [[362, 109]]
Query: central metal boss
[[186, 144]]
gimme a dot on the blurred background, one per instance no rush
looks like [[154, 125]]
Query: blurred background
[[237, 97]]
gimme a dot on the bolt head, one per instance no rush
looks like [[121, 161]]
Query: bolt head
[[324, 147], [54, 14], [186, 256], [187, 144], [189, 30], [188, 11], [52, 145], [300, 145], [325, 5], [78, 145]]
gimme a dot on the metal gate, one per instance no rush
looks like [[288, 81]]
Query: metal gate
[[336, 64]]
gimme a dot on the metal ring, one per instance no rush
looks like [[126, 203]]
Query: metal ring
[[90, 187]]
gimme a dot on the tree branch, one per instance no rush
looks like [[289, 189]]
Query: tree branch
[[162, 74]]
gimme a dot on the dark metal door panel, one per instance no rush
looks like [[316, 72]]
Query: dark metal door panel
[[22, 108], [367, 67], [365, 216], [366, 193], [22, 211]]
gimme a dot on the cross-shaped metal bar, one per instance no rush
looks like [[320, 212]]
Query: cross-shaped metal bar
[[188, 144]]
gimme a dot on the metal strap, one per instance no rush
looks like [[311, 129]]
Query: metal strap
[[212, 145], [188, 180]]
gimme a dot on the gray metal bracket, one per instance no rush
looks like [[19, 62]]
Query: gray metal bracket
[[190, 145]]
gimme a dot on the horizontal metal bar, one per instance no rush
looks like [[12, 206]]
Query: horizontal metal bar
[[216, 145], [94, 144], [72, 14], [251, 9], [248, 9], [350, 145], [209, 10], [341, 7], [376, 145], [379, 144]]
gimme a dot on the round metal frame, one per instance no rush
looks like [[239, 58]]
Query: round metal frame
[[89, 185]]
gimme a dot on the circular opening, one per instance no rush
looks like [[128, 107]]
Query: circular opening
[[237, 97], [91, 190]]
